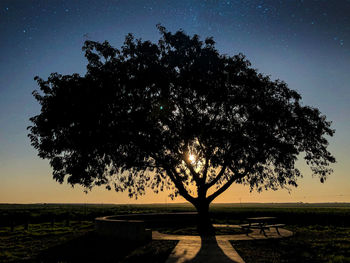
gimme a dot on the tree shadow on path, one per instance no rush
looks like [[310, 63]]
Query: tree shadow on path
[[209, 251]]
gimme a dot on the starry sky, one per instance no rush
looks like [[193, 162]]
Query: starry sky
[[305, 43]]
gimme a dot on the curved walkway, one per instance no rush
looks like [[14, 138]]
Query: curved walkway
[[212, 249]]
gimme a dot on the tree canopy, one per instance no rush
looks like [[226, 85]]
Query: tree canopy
[[175, 114]]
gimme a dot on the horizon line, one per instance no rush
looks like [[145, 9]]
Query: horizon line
[[172, 203]]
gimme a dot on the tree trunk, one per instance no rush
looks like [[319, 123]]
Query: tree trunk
[[204, 225]]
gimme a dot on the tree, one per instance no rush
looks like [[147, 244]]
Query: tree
[[175, 115]]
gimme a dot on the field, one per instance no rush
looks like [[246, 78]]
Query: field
[[64, 233]]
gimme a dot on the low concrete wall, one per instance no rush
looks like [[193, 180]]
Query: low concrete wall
[[152, 220], [132, 227], [131, 230]]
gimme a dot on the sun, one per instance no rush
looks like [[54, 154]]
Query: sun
[[192, 158]]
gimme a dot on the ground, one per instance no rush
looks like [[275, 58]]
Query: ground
[[322, 233], [312, 244]]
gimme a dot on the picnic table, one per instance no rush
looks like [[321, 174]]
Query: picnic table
[[262, 223]]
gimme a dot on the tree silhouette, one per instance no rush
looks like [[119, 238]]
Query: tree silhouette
[[175, 115]]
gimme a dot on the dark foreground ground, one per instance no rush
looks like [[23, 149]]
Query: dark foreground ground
[[64, 233]]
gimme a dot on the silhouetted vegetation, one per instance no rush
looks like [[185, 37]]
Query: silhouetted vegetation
[[176, 115]]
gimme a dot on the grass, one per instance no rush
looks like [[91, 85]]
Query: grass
[[74, 243], [156, 251], [92, 248], [25, 244], [310, 244]]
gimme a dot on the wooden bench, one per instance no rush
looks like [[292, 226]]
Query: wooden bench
[[276, 226], [262, 223], [247, 227]]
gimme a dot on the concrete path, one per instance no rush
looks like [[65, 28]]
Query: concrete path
[[212, 249]]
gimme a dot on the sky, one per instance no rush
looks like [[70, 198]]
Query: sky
[[305, 43]]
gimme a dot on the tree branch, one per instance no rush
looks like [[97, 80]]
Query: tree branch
[[217, 178], [193, 172], [206, 164], [205, 171], [226, 185], [175, 179]]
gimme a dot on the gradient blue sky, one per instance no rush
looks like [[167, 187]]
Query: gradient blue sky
[[305, 43]]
